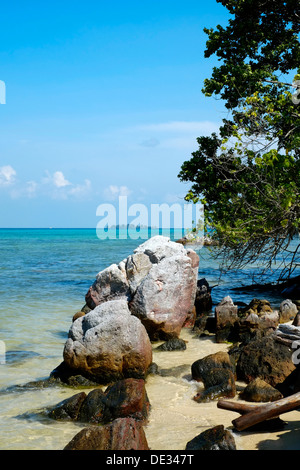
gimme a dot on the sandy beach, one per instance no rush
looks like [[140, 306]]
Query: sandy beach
[[176, 418]]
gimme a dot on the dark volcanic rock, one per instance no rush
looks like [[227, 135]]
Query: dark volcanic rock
[[260, 391], [173, 344], [121, 434], [265, 358], [216, 438], [125, 398], [68, 409], [217, 373], [93, 407], [203, 300]]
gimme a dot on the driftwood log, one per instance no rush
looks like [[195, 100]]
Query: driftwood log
[[253, 414]]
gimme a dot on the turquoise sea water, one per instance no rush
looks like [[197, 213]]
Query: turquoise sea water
[[44, 276]]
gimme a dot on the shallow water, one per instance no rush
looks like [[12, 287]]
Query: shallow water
[[44, 275]]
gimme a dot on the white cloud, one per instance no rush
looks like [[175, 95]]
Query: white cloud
[[80, 189], [59, 180], [7, 175], [31, 188], [113, 192], [53, 185]]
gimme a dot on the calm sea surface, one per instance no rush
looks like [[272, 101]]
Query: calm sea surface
[[44, 276]]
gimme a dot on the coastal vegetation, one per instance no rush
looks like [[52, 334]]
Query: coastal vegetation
[[248, 175]]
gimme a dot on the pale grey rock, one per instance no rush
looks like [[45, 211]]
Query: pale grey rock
[[166, 296], [111, 283], [159, 281], [138, 266], [287, 311], [108, 343]]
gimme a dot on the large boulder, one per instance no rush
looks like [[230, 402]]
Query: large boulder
[[159, 282], [267, 359], [165, 297], [108, 344]]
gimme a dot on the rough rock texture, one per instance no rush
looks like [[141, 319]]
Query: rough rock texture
[[173, 344], [166, 295], [111, 283], [93, 407], [258, 306], [203, 300], [226, 314], [243, 324], [260, 391], [287, 311], [159, 282], [212, 361], [125, 398], [216, 438], [121, 434], [265, 358], [296, 321], [69, 409], [108, 344]]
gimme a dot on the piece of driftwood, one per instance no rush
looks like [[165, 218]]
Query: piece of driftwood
[[252, 415], [241, 408]]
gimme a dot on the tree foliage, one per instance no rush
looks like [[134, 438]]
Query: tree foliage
[[248, 175]]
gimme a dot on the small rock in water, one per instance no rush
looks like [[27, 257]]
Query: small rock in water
[[14, 357], [173, 344]]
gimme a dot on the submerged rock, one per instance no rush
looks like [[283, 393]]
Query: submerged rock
[[125, 398], [173, 344], [68, 410], [217, 373]]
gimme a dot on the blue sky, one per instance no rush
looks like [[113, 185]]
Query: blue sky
[[102, 99]]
